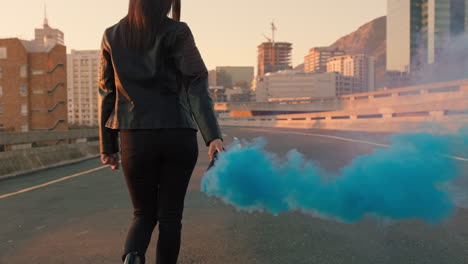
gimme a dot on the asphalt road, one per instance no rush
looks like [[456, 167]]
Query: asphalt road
[[84, 219]]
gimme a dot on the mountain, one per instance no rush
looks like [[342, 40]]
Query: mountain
[[369, 39]]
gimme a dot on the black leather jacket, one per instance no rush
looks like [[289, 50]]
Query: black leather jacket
[[165, 88]]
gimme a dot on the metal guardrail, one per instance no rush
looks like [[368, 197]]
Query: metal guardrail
[[50, 110], [51, 91], [55, 68], [57, 123]]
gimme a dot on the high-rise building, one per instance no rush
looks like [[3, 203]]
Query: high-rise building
[[274, 56], [48, 36], [360, 67], [82, 76], [316, 60], [443, 20], [417, 31], [33, 84], [404, 25]]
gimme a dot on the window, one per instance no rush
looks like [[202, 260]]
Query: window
[[3, 52], [24, 128], [1, 72], [24, 109], [23, 71], [24, 90], [1, 91], [1, 109]]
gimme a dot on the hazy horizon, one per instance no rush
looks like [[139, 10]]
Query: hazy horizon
[[224, 38]]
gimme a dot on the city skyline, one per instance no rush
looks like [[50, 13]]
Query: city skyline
[[313, 24]]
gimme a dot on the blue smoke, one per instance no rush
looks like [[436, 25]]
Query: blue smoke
[[407, 180]]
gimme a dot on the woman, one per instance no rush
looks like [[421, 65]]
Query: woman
[[152, 87]]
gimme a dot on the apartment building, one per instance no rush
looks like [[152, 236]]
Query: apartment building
[[82, 76], [360, 68], [316, 60]]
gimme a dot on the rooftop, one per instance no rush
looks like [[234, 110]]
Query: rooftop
[[33, 47]]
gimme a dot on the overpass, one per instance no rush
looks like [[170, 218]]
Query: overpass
[[429, 93], [409, 108]]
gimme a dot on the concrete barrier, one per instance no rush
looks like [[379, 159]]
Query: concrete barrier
[[19, 162], [386, 124], [7, 138], [32, 151]]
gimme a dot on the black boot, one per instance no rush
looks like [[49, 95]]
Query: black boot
[[133, 258]]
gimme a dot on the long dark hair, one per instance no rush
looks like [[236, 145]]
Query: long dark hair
[[144, 19]]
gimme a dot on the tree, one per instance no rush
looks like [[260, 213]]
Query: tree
[[224, 79], [242, 84]]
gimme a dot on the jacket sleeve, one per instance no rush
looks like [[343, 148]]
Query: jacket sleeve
[[108, 138], [189, 62]]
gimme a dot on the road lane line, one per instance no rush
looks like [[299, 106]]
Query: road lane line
[[52, 182], [320, 135], [345, 139]]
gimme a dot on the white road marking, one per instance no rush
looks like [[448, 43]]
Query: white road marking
[[319, 135], [456, 158], [342, 138], [52, 182]]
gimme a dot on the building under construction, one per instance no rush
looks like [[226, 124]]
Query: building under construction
[[274, 57]]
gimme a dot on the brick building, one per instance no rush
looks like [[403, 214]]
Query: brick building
[[33, 80]]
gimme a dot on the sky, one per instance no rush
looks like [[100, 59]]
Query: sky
[[227, 32]]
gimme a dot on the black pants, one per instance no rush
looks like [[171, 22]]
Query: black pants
[[157, 164]]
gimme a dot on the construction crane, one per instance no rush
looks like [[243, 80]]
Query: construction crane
[[273, 48], [272, 41], [273, 29]]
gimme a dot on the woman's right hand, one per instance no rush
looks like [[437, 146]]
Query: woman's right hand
[[215, 145]]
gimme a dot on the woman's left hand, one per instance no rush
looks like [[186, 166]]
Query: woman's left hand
[[111, 160]]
